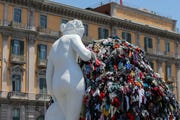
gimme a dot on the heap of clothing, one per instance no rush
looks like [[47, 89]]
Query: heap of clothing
[[121, 85]]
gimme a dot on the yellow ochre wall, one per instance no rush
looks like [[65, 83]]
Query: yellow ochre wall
[[1, 12], [129, 15]]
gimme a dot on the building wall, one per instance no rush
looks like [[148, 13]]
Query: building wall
[[32, 38], [142, 19]]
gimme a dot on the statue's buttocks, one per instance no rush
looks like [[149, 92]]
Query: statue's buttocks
[[65, 80]]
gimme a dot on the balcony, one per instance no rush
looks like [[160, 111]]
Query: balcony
[[169, 54], [17, 58], [48, 31], [151, 51], [42, 62], [43, 97], [18, 25], [17, 95]]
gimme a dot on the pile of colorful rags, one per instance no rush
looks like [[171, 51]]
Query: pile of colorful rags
[[121, 85]]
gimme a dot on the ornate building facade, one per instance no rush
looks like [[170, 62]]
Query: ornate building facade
[[28, 28]]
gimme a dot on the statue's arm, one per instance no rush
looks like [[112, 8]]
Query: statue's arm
[[80, 48], [49, 74]]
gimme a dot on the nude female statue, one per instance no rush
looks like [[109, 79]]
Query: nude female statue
[[64, 77]]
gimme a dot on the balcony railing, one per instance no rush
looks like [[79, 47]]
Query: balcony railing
[[48, 31], [43, 97], [17, 58], [42, 62], [162, 53], [18, 25], [17, 95]]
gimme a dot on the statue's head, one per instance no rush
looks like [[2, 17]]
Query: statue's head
[[73, 27]]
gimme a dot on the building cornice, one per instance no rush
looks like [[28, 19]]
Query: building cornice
[[148, 14], [127, 24], [91, 16]]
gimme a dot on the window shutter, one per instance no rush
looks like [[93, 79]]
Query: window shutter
[[21, 47], [129, 37], [100, 33], [106, 33], [123, 35], [150, 43], [145, 43]]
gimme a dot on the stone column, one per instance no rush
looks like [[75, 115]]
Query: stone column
[[5, 64], [6, 23], [178, 81], [31, 67]]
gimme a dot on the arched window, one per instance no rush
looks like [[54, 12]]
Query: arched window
[[16, 78], [42, 81]]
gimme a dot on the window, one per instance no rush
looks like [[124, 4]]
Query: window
[[168, 72], [43, 21], [17, 15], [85, 30], [17, 47], [147, 43], [126, 36], [103, 33], [42, 51], [16, 114], [16, 83], [64, 21], [167, 47], [42, 85]]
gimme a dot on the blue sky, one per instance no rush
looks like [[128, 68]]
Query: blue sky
[[167, 8]]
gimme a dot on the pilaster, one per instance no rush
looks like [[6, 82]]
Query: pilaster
[[4, 64], [31, 67], [6, 23]]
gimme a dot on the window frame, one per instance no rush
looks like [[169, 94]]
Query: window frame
[[40, 25], [127, 36], [40, 55], [18, 117], [148, 43], [14, 16], [103, 32], [20, 52]]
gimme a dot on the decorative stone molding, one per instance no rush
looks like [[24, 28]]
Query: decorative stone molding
[[17, 70]]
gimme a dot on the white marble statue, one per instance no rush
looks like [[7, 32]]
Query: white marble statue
[[64, 77]]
